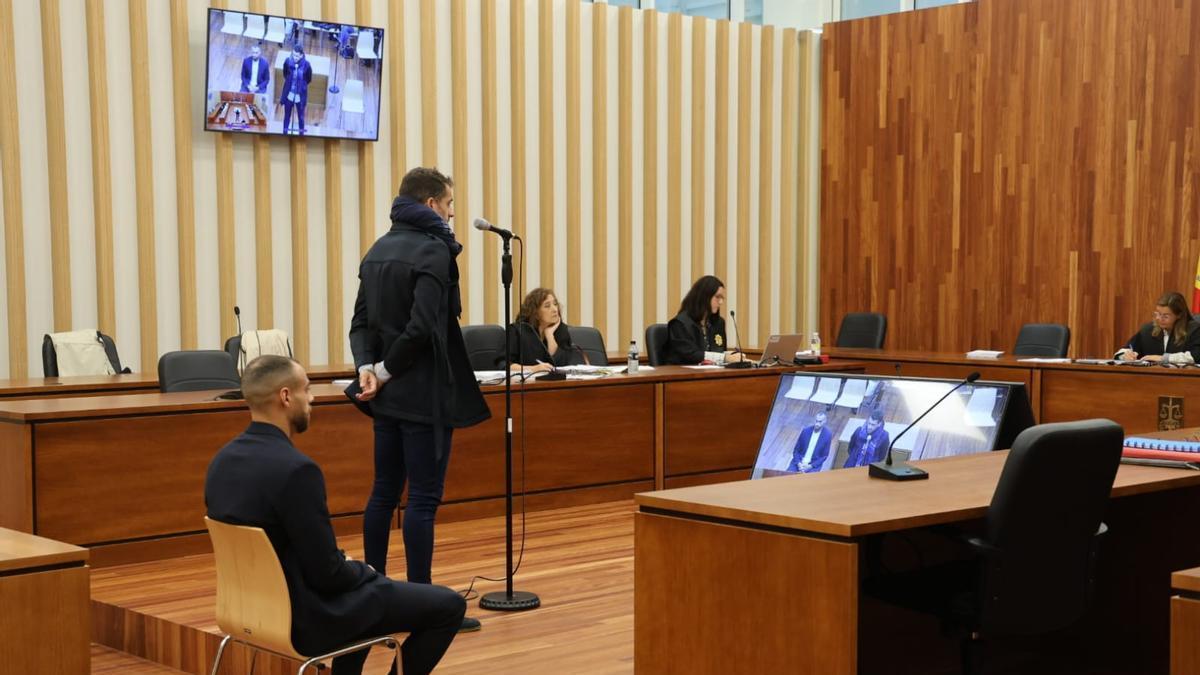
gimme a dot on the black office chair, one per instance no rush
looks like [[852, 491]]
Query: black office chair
[[485, 346], [656, 343], [50, 356], [1033, 568], [197, 371], [1043, 339], [865, 330], [233, 347], [591, 343]]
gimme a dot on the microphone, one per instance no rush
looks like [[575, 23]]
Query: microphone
[[485, 226], [743, 363], [903, 470], [237, 312]]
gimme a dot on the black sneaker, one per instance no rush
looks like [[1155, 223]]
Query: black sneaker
[[469, 625]]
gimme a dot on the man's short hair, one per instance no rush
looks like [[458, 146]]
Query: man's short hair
[[424, 183], [266, 375], [877, 415]]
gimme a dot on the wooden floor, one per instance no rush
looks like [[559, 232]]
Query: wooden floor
[[106, 660], [578, 560]]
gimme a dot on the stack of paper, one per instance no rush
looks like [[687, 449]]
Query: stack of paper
[[983, 354]]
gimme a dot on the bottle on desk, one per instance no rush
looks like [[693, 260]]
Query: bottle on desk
[[815, 344], [632, 364]]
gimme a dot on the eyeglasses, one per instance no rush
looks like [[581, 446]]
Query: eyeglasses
[[1164, 315]]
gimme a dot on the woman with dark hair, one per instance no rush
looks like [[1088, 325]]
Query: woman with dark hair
[[697, 333], [1172, 337], [539, 340]]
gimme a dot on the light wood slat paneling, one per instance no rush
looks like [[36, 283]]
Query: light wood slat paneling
[[788, 187], [397, 102], [491, 197], [626, 329], [721, 153], [674, 194], [334, 316], [546, 167], [185, 214], [10, 165], [56, 163], [263, 262], [806, 217], [574, 188], [650, 196], [462, 174], [766, 153], [741, 291], [599, 280], [139, 53], [699, 140], [431, 52], [106, 309], [226, 241], [301, 327], [1015, 162], [366, 165], [517, 92]]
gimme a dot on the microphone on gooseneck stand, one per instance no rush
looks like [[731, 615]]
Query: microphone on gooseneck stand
[[903, 470], [237, 313], [484, 226], [737, 335]]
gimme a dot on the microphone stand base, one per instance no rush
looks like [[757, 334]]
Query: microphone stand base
[[503, 602], [738, 365], [896, 471]]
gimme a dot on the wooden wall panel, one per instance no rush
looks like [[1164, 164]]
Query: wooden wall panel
[[336, 336], [674, 194], [600, 187], [106, 308], [56, 162], [995, 163], [10, 167], [185, 214], [139, 56], [650, 196], [574, 185]]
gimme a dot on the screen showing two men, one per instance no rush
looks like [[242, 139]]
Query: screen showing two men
[[818, 423], [279, 75]]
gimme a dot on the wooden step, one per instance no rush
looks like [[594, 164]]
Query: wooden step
[[108, 661]]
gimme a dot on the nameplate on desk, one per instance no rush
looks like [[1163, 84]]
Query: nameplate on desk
[[1170, 413]]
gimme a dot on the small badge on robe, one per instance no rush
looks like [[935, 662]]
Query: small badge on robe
[[717, 339]]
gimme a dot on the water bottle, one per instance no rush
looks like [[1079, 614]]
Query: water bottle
[[815, 344], [632, 365]]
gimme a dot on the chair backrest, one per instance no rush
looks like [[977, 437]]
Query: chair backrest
[[1043, 525], [865, 330], [252, 595], [656, 343], [50, 356], [485, 345], [233, 347], [1043, 339], [591, 342], [197, 371]]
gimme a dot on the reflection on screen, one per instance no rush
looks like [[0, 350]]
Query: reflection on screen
[[823, 422]]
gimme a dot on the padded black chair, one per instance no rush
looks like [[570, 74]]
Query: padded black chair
[[591, 343], [1043, 339], [233, 347], [197, 371], [865, 330], [485, 346], [656, 343], [1034, 565], [50, 357]]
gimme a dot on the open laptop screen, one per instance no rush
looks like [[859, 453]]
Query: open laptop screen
[[823, 421]]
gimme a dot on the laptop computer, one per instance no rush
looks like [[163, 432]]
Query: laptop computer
[[781, 349]]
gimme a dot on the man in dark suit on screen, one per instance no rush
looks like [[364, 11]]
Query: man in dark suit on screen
[[869, 442], [812, 448], [256, 72], [261, 479]]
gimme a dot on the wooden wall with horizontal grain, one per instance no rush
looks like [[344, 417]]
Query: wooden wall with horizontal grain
[[1009, 161]]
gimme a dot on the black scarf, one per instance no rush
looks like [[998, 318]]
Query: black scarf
[[418, 216]]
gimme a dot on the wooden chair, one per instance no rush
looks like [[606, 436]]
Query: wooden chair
[[252, 597]]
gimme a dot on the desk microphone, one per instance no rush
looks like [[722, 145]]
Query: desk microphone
[[237, 313], [743, 363], [903, 470]]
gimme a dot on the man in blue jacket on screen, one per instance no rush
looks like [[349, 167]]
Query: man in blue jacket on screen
[[297, 74], [256, 72]]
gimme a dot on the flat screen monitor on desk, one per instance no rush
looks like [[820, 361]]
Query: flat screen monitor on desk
[[831, 421]]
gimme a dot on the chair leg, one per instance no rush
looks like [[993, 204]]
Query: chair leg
[[220, 653], [970, 649]]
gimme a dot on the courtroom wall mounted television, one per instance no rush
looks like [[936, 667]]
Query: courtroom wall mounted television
[[827, 421], [280, 75]]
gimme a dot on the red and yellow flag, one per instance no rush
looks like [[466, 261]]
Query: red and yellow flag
[[1196, 289]]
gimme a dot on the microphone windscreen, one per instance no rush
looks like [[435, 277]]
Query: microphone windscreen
[[973, 376], [237, 310], [481, 224]]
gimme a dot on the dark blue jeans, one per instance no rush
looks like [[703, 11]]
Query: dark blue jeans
[[404, 451]]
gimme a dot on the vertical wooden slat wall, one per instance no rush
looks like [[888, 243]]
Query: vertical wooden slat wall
[[668, 99], [996, 164]]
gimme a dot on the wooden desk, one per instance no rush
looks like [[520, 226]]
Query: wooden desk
[[117, 470], [1185, 622], [1058, 392], [44, 593], [101, 385], [725, 575]]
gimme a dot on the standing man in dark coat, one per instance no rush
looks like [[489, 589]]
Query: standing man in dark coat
[[261, 479], [297, 74], [414, 372]]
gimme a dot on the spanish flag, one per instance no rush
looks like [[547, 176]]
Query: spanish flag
[[1196, 290]]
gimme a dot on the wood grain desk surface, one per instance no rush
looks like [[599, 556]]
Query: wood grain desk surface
[[54, 386], [1186, 580], [19, 550], [46, 409], [1004, 361], [846, 503]]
